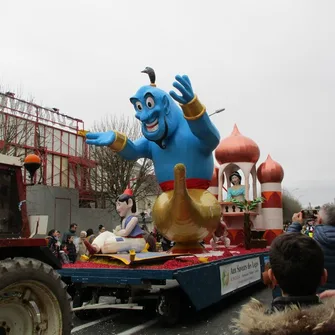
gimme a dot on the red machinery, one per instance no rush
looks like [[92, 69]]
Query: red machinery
[[33, 298]]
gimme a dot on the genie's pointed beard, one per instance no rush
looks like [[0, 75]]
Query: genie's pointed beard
[[160, 142]]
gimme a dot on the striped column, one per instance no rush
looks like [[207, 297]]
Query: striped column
[[272, 210]]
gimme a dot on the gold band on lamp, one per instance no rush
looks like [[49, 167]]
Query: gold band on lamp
[[186, 215], [119, 143], [194, 109]]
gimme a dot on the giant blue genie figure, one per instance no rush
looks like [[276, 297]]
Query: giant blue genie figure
[[180, 139]]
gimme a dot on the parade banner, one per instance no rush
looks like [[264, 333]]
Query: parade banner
[[238, 274]]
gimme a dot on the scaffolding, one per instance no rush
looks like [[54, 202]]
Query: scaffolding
[[58, 139]]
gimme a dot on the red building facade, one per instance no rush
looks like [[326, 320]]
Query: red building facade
[[58, 139]]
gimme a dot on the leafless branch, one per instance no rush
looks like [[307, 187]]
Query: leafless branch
[[291, 205], [15, 131]]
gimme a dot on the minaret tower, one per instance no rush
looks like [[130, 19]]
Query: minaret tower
[[237, 152], [270, 175]]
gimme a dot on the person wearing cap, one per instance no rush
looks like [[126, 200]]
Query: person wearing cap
[[125, 237], [126, 208]]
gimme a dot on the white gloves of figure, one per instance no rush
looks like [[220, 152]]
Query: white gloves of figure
[[117, 228]]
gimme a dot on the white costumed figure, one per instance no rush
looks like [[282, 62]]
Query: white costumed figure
[[220, 236], [128, 236]]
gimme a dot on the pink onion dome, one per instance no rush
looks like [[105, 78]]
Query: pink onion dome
[[237, 148], [270, 172]]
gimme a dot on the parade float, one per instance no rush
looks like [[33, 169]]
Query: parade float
[[180, 138]]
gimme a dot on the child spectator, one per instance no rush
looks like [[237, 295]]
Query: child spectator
[[70, 249], [297, 267]]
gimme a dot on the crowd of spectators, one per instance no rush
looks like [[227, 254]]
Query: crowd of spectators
[[69, 247]]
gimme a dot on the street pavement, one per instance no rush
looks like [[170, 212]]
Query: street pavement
[[213, 320]]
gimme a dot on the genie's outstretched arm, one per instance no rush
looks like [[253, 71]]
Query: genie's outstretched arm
[[137, 149], [120, 143], [200, 123], [195, 113]]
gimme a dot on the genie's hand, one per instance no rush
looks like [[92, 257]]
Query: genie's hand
[[100, 139], [183, 85]]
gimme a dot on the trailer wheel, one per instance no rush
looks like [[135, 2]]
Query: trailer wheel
[[33, 299], [168, 307]]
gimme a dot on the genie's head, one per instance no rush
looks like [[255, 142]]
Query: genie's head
[[158, 113]]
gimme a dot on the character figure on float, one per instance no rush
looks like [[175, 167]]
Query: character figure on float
[[237, 191], [220, 236], [127, 236], [179, 140]]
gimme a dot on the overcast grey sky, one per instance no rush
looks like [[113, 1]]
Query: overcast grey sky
[[269, 63]]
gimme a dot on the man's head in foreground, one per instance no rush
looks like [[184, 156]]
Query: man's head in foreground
[[297, 264]]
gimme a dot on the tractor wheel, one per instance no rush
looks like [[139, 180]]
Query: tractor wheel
[[33, 299]]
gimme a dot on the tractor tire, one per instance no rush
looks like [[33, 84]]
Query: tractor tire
[[33, 299]]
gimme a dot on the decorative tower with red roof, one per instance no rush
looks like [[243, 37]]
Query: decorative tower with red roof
[[270, 175], [237, 152]]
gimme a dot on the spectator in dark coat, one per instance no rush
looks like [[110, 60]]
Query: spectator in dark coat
[[53, 242], [324, 234], [72, 232]]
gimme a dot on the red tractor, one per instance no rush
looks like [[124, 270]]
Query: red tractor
[[33, 298]]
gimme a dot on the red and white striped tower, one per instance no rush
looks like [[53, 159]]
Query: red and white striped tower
[[270, 175], [214, 185]]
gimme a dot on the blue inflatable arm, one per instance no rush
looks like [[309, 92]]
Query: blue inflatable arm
[[119, 143], [195, 113], [137, 149]]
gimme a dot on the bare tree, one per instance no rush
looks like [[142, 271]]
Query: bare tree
[[291, 205], [16, 130], [114, 174]]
